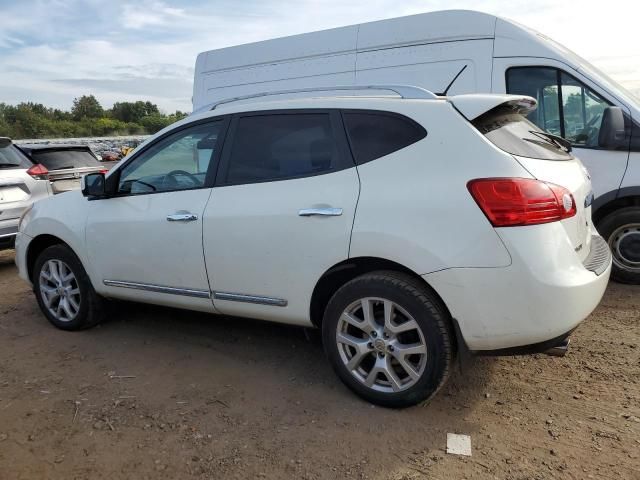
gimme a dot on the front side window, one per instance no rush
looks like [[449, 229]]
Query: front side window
[[566, 106], [177, 162], [280, 146]]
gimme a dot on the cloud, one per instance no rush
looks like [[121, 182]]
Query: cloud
[[145, 14], [124, 49]]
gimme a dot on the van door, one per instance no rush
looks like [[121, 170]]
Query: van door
[[569, 106], [280, 214]]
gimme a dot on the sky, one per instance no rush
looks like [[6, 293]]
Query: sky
[[52, 51]]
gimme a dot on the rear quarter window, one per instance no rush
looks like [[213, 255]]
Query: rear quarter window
[[375, 134]]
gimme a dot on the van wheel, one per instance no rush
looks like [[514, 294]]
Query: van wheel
[[622, 231], [63, 290], [388, 338]]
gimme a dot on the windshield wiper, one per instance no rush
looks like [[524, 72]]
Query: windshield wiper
[[559, 142]]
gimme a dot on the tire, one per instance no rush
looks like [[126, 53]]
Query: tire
[[621, 229], [360, 362], [84, 307]]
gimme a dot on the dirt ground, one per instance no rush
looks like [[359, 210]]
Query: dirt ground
[[158, 393]]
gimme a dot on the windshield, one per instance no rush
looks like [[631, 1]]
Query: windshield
[[64, 159], [10, 157], [516, 135]]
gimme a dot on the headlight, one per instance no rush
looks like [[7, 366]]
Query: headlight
[[24, 214]]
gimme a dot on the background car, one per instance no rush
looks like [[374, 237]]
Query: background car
[[63, 164], [21, 183]]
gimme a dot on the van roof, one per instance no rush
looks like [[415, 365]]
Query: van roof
[[422, 28]]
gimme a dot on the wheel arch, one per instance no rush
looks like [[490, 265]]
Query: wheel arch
[[615, 200], [345, 271], [37, 246]]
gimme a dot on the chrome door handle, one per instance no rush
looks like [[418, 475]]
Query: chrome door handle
[[327, 212], [182, 217]]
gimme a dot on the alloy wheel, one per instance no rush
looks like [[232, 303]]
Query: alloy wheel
[[59, 290], [381, 344]]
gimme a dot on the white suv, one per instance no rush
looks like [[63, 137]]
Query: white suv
[[407, 229]]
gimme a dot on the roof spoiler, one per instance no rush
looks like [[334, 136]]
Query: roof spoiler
[[474, 105]]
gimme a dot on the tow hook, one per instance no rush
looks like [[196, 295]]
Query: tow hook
[[559, 350]]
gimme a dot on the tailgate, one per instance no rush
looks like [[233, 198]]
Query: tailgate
[[572, 175]]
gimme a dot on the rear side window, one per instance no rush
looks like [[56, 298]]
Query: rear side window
[[514, 134], [281, 146], [376, 134], [62, 159]]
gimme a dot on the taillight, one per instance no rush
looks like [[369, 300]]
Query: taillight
[[509, 202], [104, 171], [39, 172]]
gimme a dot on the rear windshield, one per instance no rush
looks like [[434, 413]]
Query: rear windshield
[[10, 157], [514, 134], [62, 159]]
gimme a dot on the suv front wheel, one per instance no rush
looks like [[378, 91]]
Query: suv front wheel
[[388, 338], [63, 290]]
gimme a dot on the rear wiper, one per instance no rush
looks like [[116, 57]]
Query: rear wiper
[[9, 165], [559, 142], [63, 168]]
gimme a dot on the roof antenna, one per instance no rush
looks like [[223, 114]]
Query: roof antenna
[[444, 94]]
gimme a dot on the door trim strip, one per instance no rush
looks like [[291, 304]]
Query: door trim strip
[[188, 292], [241, 297]]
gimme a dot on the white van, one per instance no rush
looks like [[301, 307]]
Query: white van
[[456, 52]]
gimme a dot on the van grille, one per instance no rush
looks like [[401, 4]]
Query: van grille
[[599, 257]]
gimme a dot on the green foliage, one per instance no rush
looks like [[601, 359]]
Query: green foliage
[[87, 118], [87, 106], [133, 111]]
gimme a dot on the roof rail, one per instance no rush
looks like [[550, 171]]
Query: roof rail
[[405, 91]]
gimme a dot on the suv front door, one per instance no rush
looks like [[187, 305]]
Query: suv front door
[[145, 243], [281, 212]]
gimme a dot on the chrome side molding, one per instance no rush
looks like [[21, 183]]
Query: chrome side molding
[[190, 292], [187, 292], [240, 297]]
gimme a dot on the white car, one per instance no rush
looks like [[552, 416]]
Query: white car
[[21, 184], [407, 229]]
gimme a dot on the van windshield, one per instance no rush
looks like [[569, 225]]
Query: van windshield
[[516, 135]]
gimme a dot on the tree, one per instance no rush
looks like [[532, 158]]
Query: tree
[[87, 106], [133, 111]]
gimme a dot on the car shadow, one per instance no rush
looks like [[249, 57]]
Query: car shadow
[[286, 352]]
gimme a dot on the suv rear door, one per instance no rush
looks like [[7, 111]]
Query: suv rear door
[[281, 213]]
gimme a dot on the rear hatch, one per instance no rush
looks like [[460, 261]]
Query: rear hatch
[[16, 186], [501, 119], [66, 165]]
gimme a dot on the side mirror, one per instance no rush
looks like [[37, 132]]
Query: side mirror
[[93, 185], [612, 134]]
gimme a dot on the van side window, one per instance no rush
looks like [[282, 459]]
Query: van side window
[[375, 134], [281, 146], [566, 106]]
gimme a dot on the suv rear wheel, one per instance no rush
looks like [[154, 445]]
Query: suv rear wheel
[[622, 231], [388, 338], [63, 290]]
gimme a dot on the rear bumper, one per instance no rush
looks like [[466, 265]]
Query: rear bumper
[[8, 231], [540, 298]]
